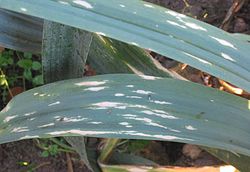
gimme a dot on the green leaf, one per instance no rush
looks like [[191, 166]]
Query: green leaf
[[241, 162], [11, 23], [124, 158], [53, 150], [27, 74], [108, 56], [25, 63], [36, 65], [45, 154], [78, 143], [130, 107], [38, 80], [27, 55], [136, 22], [5, 59], [137, 145]]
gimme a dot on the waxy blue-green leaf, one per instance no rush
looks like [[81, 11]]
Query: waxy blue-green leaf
[[133, 107], [148, 26], [20, 32]]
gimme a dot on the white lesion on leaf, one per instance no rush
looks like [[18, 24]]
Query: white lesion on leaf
[[148, 6], [95, 88], [91, 83], [64, 2], [145, 92], [194, 26], [175, 24], [197, 58], [8, 118], [223, 42], [30, 113], [190, 127], [46, 125], [147, 77], [175, 14], [19, 129], [83, 3], [227, 57], [55, 103], [119, 95]]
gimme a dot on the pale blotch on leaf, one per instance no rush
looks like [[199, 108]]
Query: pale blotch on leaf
[[130, 86], [223, 42], [124, 123], [147, 121], [31, 119], [149, 6], [121, 5], [119, 95], [95, 122], [42, 95], [129, 115], [175, 14], [175, 24], [29, 113], [143, 92], [226, 56], [149, 77], [197, 58], [8, 118], [63, 2], [108, 104], [23, 9], [19, 129], [133, 97], [55, 103], [46, 125], [190, 127], [28, 137], [157, 113], [161, 102], [83, 3], [90, 83], [195, 26], [95, 88]]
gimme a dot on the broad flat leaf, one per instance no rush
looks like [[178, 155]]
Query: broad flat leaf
[[64, 53], [20, 32], [132, 107], [239, 161], [124, 158], [129, 168], [105, 56], [78, 143], [148, 26], [108, 56]]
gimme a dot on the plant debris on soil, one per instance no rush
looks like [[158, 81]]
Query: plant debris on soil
[[27, 156]]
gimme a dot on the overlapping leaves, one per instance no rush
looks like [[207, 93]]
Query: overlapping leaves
[[130, 106], [148, 26]]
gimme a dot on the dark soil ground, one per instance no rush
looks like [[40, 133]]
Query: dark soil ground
[[26, 155]]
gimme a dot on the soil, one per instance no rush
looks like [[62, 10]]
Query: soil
[[13, 156]]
